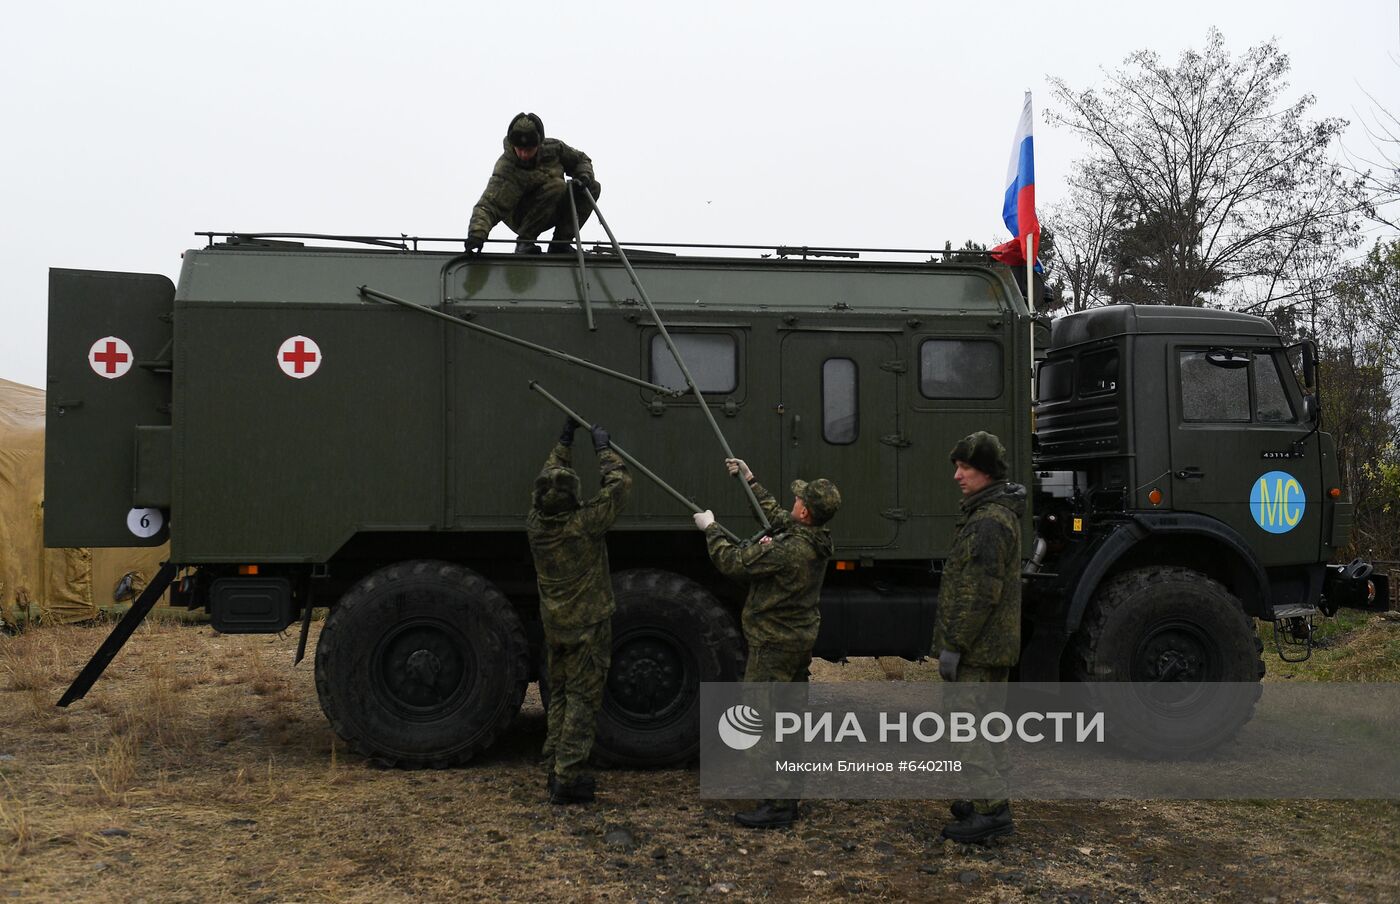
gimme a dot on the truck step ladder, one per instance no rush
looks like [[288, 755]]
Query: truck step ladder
[[1293, 629]]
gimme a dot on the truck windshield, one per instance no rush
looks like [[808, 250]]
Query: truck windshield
[[1055, 381]]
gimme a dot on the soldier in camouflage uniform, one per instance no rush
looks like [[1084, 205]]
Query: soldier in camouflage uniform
[[784, 573], [567, 540], [978, 631], [527, 189]]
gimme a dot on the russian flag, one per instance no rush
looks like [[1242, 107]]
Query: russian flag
[[1018, 206]]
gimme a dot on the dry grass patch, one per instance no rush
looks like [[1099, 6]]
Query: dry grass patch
[[34, 659], [207, 772], [16, 834], [114, 767]]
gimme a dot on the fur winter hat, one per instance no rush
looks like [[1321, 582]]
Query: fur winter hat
[[984, 452]]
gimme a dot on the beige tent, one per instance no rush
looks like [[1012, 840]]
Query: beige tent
[[53, 585]]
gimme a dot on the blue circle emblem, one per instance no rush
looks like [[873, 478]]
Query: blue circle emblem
[[1277, 502]]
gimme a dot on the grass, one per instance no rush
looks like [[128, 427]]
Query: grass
[[1353, 646], [15, 832], [201, 769]]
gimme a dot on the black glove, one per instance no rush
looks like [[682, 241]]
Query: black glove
[[567, 437], [584, 182], [474, 244], [948, 665], [600, 438]]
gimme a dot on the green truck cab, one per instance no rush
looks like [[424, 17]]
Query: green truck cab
[[301, 443]]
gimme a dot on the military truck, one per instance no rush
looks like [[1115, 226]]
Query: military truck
[[313, 421]]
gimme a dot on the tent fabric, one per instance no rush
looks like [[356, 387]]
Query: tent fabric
[[22, 559], [53, 585]]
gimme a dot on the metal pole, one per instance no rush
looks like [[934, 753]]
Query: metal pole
[[680, 362], [578, 248], [553, 353], [1030, 309], [120, 634], [675, 494]]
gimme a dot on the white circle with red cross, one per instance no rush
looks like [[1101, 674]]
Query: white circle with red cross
[[299, 357], [110, 357]]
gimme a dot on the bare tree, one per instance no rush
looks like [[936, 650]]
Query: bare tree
[[1379, 168], [1084, 225], [1360, 378], [1222, 189]]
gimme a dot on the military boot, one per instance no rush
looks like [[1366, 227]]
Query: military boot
[[771, 814], [961, 809], [562, 242], [579, 790], [526, 246], [979, 828]]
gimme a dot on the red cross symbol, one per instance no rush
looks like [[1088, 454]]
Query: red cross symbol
[[299, 357], [110, 357]]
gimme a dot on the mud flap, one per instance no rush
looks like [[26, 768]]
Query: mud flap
[[109, 374]]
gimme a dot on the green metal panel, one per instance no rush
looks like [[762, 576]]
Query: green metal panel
[[151, 486], [692, 284], [933, 426], [1343, 520], [109, 336], [274, 468], [866, 469], [410, 424]]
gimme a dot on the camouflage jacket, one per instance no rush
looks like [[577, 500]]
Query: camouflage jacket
[[571, 552], [784, 578], [513, 183], [979, 600]]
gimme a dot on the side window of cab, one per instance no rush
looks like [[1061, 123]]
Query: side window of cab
[[1232, 386]]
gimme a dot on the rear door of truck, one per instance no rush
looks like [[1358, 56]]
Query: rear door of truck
[[107, 432]]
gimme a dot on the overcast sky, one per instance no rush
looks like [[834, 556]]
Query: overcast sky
[[127, 127]]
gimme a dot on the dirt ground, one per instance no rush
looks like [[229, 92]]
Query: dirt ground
[[200, 768]]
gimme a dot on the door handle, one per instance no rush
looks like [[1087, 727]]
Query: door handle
[[796, 427], [1190, 474]]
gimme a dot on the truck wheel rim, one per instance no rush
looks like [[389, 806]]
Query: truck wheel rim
[[648, 677], [421, 667], [1176, 651]]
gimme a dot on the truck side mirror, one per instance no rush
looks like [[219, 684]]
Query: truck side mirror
[[1309, 363], [1310, 408]]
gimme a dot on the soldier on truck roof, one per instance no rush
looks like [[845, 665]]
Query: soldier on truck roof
[[528, 192]]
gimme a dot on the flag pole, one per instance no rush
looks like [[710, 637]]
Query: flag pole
[[1030, 306]]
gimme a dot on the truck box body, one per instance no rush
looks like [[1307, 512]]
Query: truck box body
[[410, 425]]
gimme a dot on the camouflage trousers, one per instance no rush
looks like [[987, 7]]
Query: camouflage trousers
[[548, 208], [774, 664], [985, 763], [767, 663], [576, 671]]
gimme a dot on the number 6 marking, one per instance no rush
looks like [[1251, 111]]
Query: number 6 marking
[[145, 522]]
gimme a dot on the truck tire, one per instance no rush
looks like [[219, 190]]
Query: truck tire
[[669, 634], [1186, 653], [421, 664]]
